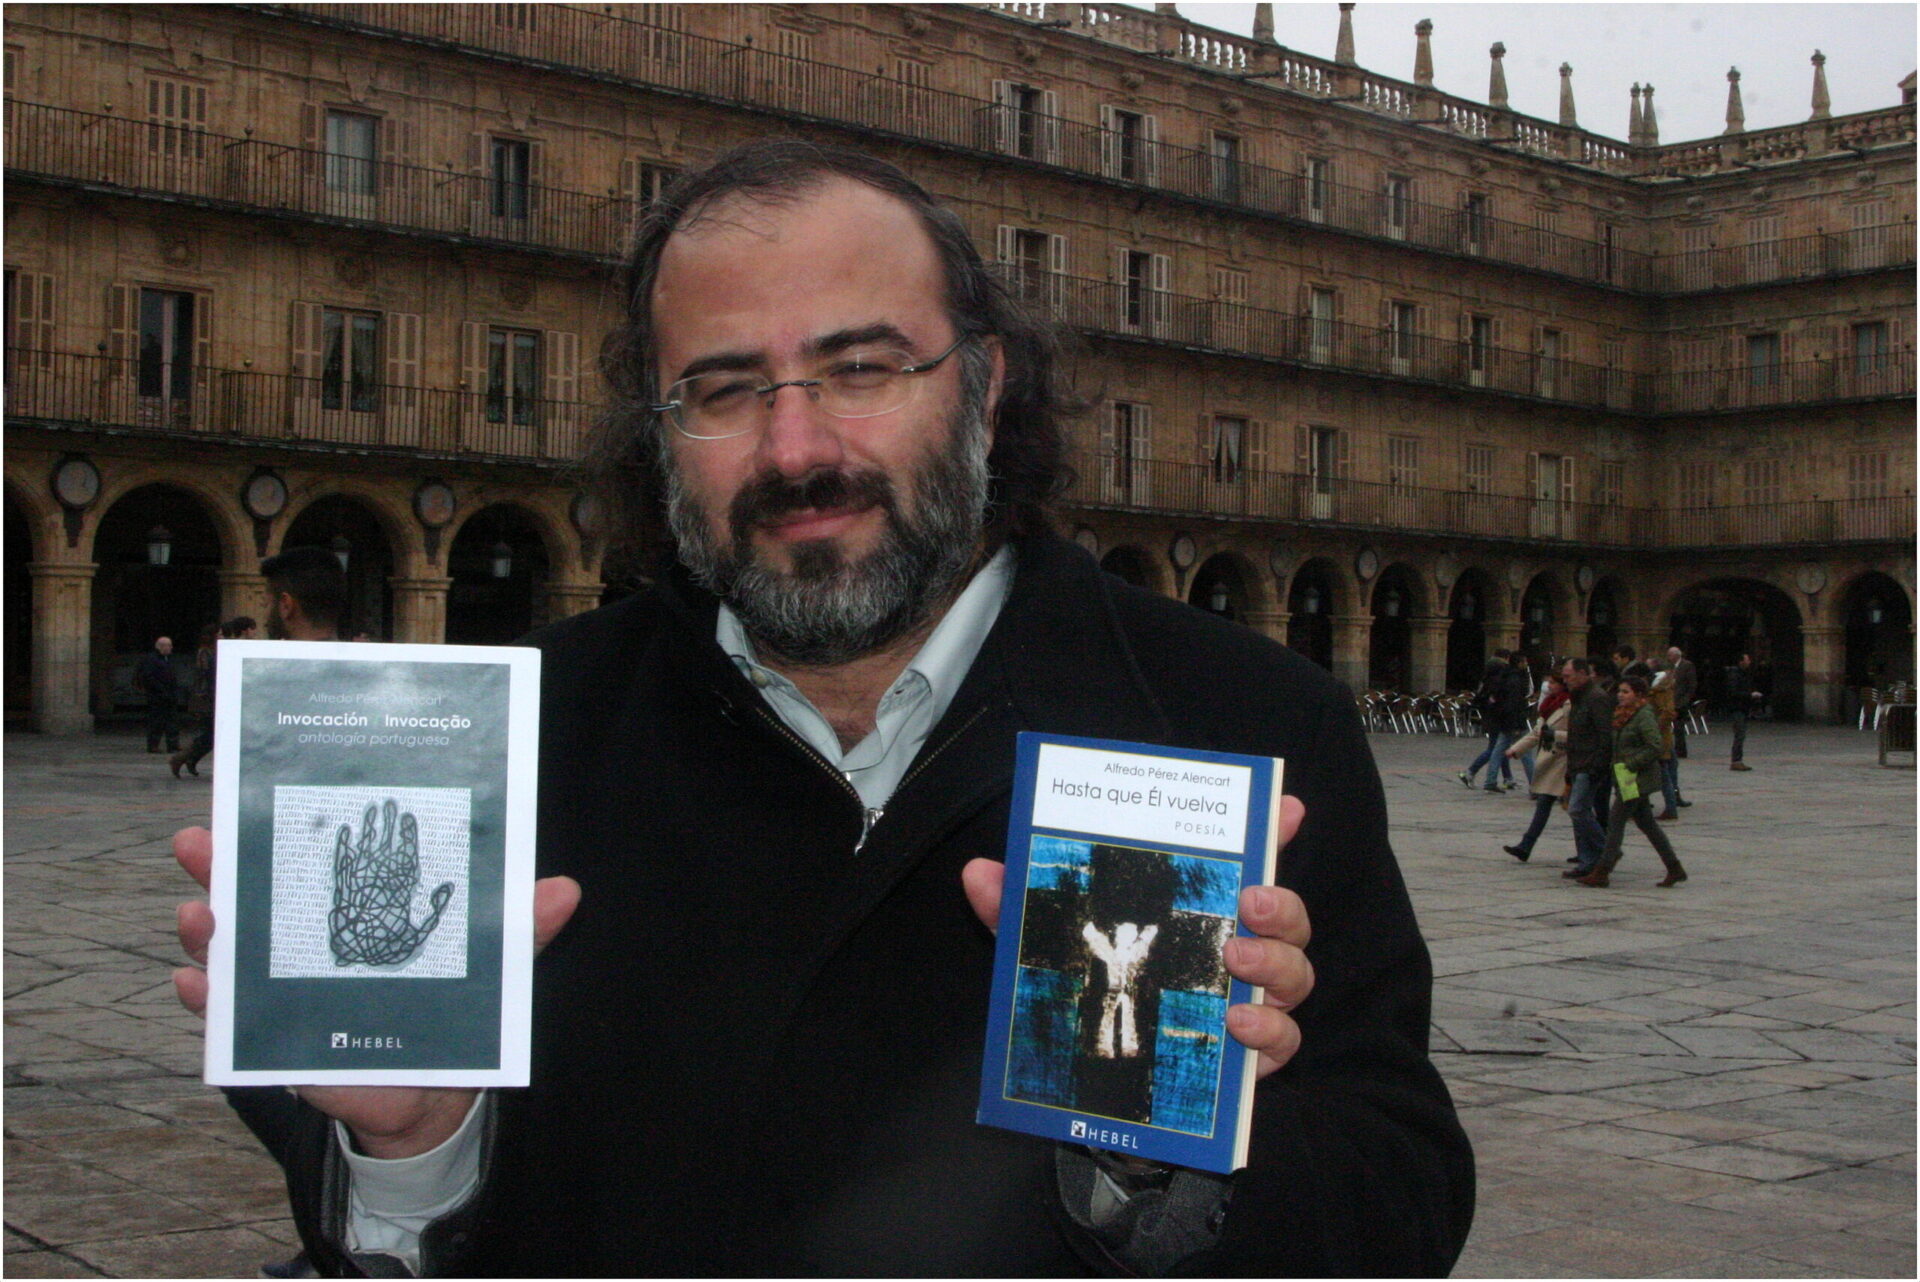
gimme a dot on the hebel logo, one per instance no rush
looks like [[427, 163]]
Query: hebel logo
[[348, 1042], [1075, 1130], [339, 1041]]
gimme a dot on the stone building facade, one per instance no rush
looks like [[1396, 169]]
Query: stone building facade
[[1393, 376]]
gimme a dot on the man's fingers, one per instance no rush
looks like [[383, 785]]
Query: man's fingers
[[982, 880], [1271, 1032], [193, 847], [554, 899], [1280, 968], [190, 985], [196, 928], [1274, 912]]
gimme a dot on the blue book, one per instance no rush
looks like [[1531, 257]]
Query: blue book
[[1108, 1027]]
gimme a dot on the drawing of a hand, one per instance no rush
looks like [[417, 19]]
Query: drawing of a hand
[[373, 884]]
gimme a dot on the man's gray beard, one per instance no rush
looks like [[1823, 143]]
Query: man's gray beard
[[828, 610]]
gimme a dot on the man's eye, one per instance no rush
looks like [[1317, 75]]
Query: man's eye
[[867, 370], [720, 394]]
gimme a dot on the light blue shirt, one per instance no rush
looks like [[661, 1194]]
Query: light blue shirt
[[393, 1201]]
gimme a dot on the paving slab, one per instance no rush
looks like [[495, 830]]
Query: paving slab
[[1712, 1081]]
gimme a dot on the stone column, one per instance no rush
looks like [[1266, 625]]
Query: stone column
[[564, 600], [420, 609], [1823, 660], [245, 592], [1351, 634], [62, 645], [1270, 623], [1429, 668]]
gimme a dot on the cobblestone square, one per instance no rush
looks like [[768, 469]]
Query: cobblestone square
[[1713, 1080]]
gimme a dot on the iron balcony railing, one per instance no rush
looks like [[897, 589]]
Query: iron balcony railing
[[736, 72], [1125, 310], [1795, 258], [244, 406], [280, 408], [1234, 492], [249, 173]]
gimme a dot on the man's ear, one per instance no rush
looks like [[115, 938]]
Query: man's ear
[[996, 384]]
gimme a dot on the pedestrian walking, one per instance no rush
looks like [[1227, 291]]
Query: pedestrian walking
[[240, 628], [1589, 756], [1741, 696], [1686, 688], [1549, 784], [156, 679], [1636, 773], [199, 703], [1486, 700], [1660, 689]]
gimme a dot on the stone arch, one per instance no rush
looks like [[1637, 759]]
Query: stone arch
[[1472, 602], [40, 517], [1230, 585], [1549, 611], [232, 525], [1316, 592], [1716, 619], [1875, 614], [1134, 564], [136, 599], [1397, 594], [351, 523], [1607, 615], [485, 607], [559, 543], [404, 537]]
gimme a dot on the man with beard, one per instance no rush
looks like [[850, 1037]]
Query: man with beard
[[308, 592], [774, 792]]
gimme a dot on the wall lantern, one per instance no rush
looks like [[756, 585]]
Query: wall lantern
[[1876, 612], [1469, 606], [1390, 604], [1218, 601], [502, 561], [1310, 601], [159, 546], [1539, 612], [342, 551]]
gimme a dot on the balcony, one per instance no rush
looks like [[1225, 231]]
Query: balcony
[[1124, 311], [131, 156], [1861, 249], [242, 406], [737, 73], [1203, 490]]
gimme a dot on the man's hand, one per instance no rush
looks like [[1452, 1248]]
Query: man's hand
[[1274, 960], [387, 1121]]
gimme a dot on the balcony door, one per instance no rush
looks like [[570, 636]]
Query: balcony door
[[352, 168], [1552, 474], [164, 374]]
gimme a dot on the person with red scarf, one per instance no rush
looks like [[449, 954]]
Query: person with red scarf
[[1549, 738]]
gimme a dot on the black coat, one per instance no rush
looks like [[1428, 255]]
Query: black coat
[[758, 1053], [1512, 701], [1590, 730]]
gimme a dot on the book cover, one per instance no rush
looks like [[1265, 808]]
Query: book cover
[[1108, 1023], [373, 827]]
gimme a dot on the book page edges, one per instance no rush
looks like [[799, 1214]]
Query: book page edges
[[1270, 864]]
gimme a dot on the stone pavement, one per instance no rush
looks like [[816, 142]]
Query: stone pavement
[[1714, 1080]]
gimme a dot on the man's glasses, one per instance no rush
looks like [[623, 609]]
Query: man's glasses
[[862, 383]]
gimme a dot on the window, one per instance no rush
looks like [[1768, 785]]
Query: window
[[1547, 378], [1763, 248], [1619, 377], [1027, 121], [1403, 463], [1229, 443], [652, 180], [1319, 187], [166, 344], [1696, 257], [352, 150], [513, 17], [513, 376], [1126, 140], [1475, 223], [1546, 237], [793, 67], [1402, 325], [1609, 252], [1230, 288], [1124, 468], [1224, 154], [1760, 480], [1477, 473], [1397, 205], [1479, 349], [1030, 252], [512, 177], [1320, 308], [1867, 474], [1763, 361], [1137, 269], [1610, 483], [177, 111], [1869, 348], [1323, 466], [350, 356], [1869, 241], [1696, 484]]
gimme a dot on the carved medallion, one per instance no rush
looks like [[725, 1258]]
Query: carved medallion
[[516, 291], [353, 269]]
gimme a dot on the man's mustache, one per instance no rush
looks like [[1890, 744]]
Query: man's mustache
[[770, 496]]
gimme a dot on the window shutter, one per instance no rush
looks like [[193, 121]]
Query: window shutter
[[202, 354], [1057, 270], [1050, 126], [1118, 264], [1003, 239], [480, 204], [1203, 438], [400, 334], [473, 375], [1109, 142], [313, 121], [396, 142], [561, 356], [1343, 454], [1003, 122], [536, 152], [1533, 475], [1160, 301], [123, 327], [1150, 140], [630, 181], [34, 321], [306, 349], [1302, 449], [1256, 449], [1142, 435], [1566, 480]]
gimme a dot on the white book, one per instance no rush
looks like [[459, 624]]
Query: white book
[[373, 831]]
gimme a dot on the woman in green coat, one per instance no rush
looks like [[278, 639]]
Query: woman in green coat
[[1636, 754]]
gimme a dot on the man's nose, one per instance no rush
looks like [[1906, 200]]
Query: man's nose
[[799, 436]]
